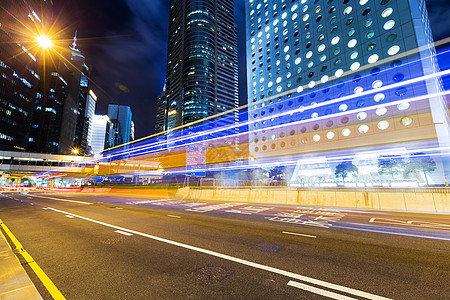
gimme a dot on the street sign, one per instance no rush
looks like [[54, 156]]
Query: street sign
[[196, 160]]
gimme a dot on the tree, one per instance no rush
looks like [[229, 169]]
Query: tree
[[277, 173], [344, 169], [390, 164], [421, 162]]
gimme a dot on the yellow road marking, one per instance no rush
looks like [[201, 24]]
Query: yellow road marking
[[49, 285]]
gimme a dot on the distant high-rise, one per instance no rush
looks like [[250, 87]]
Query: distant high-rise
[[161, 112], [20, 72], [99, 127], [120, 117], [202, 76]]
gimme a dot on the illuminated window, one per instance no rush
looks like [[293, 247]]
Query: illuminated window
[[382, 125], [321, 48], [373, 58], [316, 138], [363, 128], [379, 97], [377, 84], [343, 107], [335, 40], [389, 24], [387, 12], [330, 135], [347, 10], [339, 73], [406, 121], [358, 90], [354, 55], [403, 106], [298, 60], [352, 43], [394, 50], [324, 79], [361, 116], [381, 111], [355, 66], [346, 132]]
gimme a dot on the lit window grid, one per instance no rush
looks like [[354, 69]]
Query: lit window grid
[[347, 51], [328, 50]]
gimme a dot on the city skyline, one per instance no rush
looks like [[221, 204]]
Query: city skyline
[[134, 38]]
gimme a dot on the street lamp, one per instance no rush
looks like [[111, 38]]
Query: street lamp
[[75, 151], [44, 41]]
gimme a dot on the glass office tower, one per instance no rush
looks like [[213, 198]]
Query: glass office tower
[[201, 78], [341, 80]]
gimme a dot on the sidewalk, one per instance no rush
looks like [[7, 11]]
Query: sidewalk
[[14, 281]]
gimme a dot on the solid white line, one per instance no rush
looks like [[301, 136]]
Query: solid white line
[[237, 260], [123, 232], [300, 234], [172, 216], [65, 200], [69, 216], [318, 291]]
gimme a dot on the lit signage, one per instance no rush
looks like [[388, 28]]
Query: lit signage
[[93, 95]]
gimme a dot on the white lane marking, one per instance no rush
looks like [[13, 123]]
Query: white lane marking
[[410, 223], [172, 216], [318, 291], [237, 260], [69, 216], [29, 198], [123, 232], [300, 234], [66, 200]]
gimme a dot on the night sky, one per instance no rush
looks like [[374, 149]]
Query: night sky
[[125, 44]]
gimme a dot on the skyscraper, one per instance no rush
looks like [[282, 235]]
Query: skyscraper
[[99, 129], [201, 78], [161, 112], [120, 116], [20, 72], [347, 76], [56, 111]]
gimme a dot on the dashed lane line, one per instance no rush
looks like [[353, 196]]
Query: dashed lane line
[[307, 279], [65, 200], [172, 216], [318, 291], [300, 234]]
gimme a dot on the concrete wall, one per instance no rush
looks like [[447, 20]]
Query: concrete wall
[[380, 200]]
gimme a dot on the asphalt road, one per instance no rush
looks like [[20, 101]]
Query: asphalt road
[[123, 248]]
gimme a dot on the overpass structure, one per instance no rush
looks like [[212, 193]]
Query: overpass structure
[[14, 166]]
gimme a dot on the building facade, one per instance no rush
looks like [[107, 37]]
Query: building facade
[[342, 80], [19, 69], [120, 117], [161, 112], [201, 78], [56, 111], [99, 127]]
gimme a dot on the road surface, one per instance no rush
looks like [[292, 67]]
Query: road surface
[[100, 247]]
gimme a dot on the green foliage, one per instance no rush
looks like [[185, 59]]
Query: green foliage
[[390, 164], [420, 162], [277, 173], [344, 169]]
